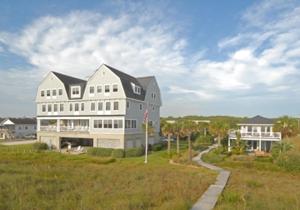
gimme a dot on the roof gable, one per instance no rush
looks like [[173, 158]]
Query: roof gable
[[126, 81], [19, 121], [258, 120], [69, 81]]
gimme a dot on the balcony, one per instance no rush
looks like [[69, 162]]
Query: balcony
[[266, 136]]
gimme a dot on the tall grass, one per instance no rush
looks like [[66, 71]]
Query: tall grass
[[49, 180], [260, 183]]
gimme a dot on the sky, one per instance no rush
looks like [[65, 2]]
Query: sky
[[209, 57]]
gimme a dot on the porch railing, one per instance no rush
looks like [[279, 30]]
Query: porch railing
[[255, 135], [75, 128]]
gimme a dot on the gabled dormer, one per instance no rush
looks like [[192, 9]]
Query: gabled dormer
[[74, 87]]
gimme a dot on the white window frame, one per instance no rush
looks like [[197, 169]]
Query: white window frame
[[79, 91], [91, 94], [115, 84], [99, 86], [118, 106]]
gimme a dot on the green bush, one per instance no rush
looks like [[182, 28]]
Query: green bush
[[40, 146], [202, 142], [118, 153], [289, 161], [102, 152], [134, 152], [157, 147]]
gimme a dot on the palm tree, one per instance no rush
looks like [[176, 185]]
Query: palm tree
[[189, 127], [287, 126], [168, 130], [219, 129], [176, 130]]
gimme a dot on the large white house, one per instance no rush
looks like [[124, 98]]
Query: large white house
[[106, 111], [258, 134]]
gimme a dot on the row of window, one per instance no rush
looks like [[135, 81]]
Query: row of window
[[53, 92], [76, 90], [107, 88], [114, 124], [81, 106]]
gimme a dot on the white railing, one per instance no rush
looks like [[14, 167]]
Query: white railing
[[76, 128], [48, 128], [256, 135]]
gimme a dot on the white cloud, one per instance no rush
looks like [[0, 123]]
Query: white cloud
[[262, 58]]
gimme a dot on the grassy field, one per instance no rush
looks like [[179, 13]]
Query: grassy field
[[50, 180], [258, 183]]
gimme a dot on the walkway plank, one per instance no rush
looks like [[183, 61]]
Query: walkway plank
[[210, 197]]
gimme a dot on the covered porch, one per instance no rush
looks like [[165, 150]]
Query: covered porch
[[63, 125]]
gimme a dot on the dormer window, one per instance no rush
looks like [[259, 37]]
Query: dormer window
[[75, 92], [136, 89]]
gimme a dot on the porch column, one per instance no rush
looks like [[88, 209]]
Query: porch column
[[229, 148], [38, 125], [58, 125], [259, 145], [252, 145]]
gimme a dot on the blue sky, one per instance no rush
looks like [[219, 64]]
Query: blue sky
[[209, 57]]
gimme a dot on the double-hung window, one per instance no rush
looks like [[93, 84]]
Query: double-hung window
[[118, 123], [43, 108], [115, 88], [106, 88], [100, 106], [61, 107], [97, 123], [99, 89], [116, 105], [107, 106], [76, 107], [93, 106], [92, 89]]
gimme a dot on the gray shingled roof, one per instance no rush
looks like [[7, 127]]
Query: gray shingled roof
[[70, 81], [21, 121], [126, 82], [144, 81], [258, 120]]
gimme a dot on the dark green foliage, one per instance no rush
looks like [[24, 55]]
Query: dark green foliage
[[102, 152], [280, 148], [289, 161], [118, 153], [134, 152], [202, 142], [157, 147], [40, 146]]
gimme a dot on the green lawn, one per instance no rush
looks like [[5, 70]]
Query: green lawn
[[49, 180], [258, 183]]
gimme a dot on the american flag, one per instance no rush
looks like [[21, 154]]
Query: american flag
[[146, 116]]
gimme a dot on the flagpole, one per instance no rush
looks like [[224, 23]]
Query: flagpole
[[146, 146]]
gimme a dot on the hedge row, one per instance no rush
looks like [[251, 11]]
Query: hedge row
[[116, 153]]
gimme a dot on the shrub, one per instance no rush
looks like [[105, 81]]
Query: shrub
[[202, 142], [134, 152], [40, 146], [157, 147], [289, 161], [102, 152], [118, 153]]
